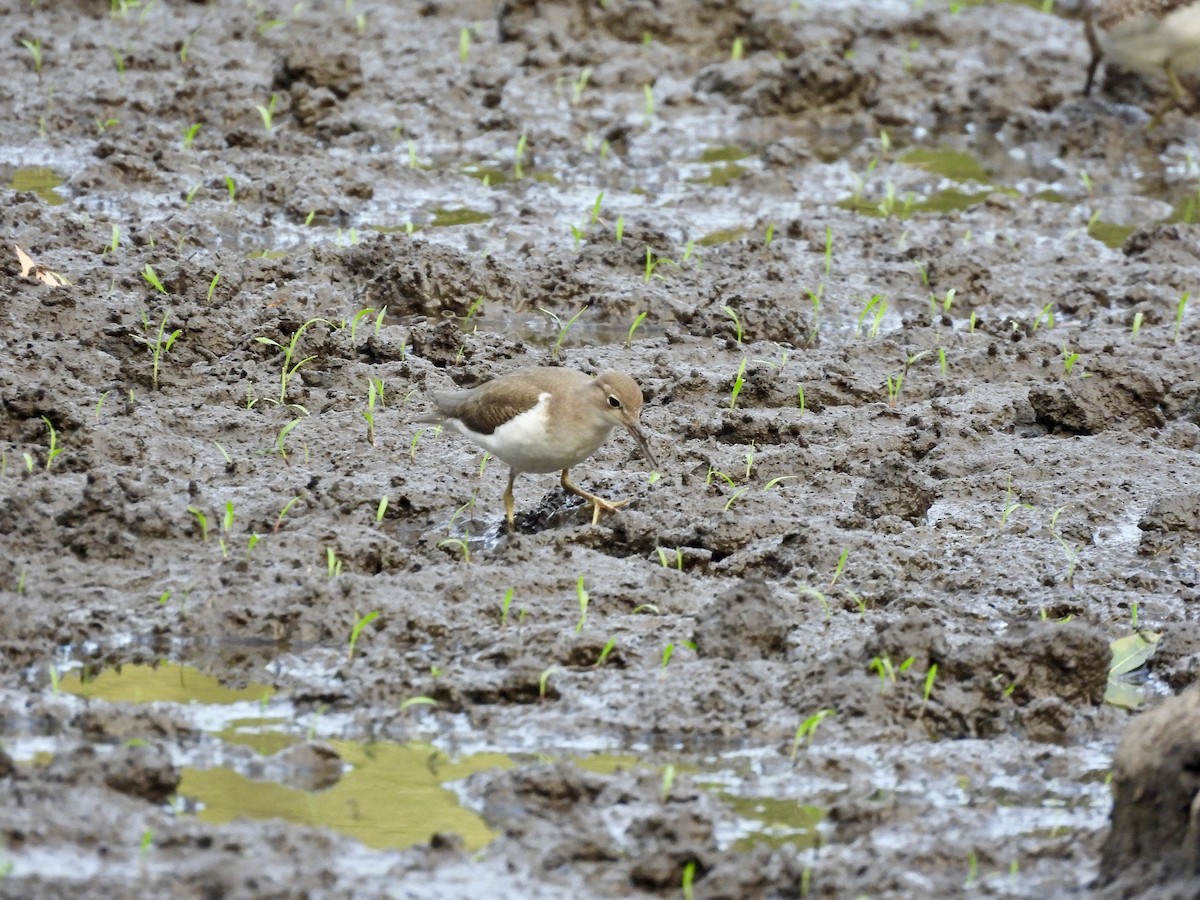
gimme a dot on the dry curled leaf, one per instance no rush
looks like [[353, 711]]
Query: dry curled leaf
[[30, 269]]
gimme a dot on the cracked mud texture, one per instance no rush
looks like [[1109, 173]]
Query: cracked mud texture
[[1025, 489]]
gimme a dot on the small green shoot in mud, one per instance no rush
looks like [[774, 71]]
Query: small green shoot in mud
[[1133, 615], [147, 841], [648, 109], [579, 84], [689, 870], [28, 457], [841, 565], [374, 393], [894, 384], [417, 701], [637, 321], [738, 381], [251, 543], [972, 869], [664, 558], [164, 598], [667, 652], [381, 509], [930, 678], [1045, 317], [360, 622], [563, 328], [281, 439], [519, 157], [464, 44], [609, 646], [267, 113], [226, 529], [1180, 309], [882, 665], [283, 512], [779, 479], [972, 322], [53, 669], [584, 599], [800, 397], [875, 308], [770, 236], [115, 241], [737, 323], [289, 368], [652, 264], [544, 681], [734, 497], [161, 344], [202, 520], [333, 565], [224, 453], [668, 780], [191, 194], [151, 276], [808, 728], [463, 547], [1010, 506], [189, 135], [739, 49], [504, 606], [54, 449], [619, 228], [1138, 318], [750, 460], [231, 188], [100, 404], [35, 50], [1069, 358]]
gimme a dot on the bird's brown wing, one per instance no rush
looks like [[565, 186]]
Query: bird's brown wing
[[487, 407]]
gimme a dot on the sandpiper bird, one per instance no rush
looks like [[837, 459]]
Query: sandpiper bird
[[1148, 37], [545, 420]]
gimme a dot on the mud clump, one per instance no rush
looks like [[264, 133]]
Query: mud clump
[[746, 622], [1155, 832]]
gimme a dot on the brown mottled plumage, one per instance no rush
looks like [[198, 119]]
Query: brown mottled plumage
[[545, 420], [1149, 37]]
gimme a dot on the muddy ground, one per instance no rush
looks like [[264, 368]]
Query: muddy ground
[[914, 373]]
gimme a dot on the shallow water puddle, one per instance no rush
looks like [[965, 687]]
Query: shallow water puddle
[[388, 796], [166, 684], [39, 180], [393, 795]]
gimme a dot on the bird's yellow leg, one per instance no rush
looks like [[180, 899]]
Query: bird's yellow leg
[[598, 503], [508, 501]]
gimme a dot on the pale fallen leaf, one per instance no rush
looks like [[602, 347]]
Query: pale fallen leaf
[[30, 269]]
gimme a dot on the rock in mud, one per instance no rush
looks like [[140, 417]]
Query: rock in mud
[[745, 622], [1155, 833], [895, 488]]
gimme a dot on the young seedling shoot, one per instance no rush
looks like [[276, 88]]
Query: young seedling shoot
[[1180, 309], [609, 646], [54, 449], [202, 521], [808, 728], [668, 781], [333, 565], [544, 682], [584, 598], [381, 509], [504, 606], [360, 622]]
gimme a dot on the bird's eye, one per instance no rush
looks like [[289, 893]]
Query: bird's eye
[[613, 401]]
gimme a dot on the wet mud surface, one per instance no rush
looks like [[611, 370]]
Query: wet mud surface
[[924, 397]]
